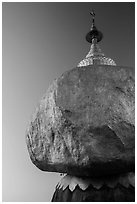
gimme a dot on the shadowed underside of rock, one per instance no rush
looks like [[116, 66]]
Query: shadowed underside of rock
[[85, 122]]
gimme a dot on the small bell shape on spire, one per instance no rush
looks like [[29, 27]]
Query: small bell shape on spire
[[95, 55]]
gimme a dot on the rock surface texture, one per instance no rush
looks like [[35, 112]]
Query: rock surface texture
[[84, 124]]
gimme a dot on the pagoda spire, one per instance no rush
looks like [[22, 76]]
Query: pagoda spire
[[95, 55], [93, 33]]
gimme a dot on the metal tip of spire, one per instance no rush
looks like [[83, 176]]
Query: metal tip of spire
[[93, 33], [92, 13]]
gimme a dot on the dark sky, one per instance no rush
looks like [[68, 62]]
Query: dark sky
[[40, 42]]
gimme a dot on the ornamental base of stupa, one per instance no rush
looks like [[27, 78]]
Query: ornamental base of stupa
[[118, 188]]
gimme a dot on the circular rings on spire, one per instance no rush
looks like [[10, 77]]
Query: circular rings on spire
[[94, 33]]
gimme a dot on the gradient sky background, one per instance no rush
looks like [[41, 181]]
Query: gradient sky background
[[40, 42]]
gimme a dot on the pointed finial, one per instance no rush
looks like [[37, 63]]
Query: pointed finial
[[93, 17], [93, 33]]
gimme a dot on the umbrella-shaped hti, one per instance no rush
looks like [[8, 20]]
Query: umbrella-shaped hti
[[84, 128]]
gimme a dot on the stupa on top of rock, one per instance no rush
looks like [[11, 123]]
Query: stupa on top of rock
[[84, 127], [95, 56]]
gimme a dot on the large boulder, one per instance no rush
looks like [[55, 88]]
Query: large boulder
[[84, 124]]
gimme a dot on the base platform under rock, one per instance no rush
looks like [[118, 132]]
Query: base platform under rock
[[113, 189], [105, 194]]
